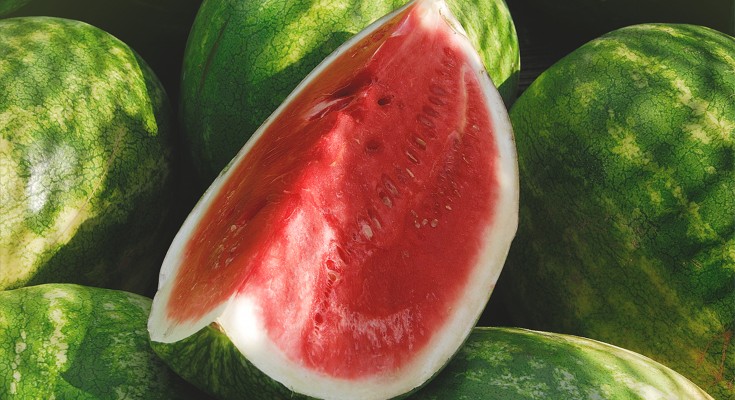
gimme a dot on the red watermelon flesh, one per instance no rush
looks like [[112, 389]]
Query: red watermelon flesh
[[362, 228]]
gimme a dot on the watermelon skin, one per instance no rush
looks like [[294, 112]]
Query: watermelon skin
[[155, 29], [627, 218], [68, 341], [84, 158], [513, 363], [494, 363], [244, 57], [210, 361]]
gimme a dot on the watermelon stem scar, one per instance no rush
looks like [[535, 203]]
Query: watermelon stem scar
[[354, 241]]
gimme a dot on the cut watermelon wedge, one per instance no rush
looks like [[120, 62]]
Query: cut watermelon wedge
[[351, 245]]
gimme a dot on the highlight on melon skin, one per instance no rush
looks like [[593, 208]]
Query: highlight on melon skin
[[349, 248]]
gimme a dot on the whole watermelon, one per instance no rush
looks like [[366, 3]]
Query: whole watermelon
[[84, 158], [627, 221], [244, 57]]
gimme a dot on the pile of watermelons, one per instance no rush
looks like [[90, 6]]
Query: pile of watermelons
[[125, 134]]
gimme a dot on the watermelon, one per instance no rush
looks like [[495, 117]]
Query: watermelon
[[512, 363], [68, 341], [244, 57], [627, 218], [84, 158], [355, 239]]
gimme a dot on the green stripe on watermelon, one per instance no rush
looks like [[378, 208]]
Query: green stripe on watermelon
[[84, 158], [65, 341], [627, 235], [244, 57], [512, 363]]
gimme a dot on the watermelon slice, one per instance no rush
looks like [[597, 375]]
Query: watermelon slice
[[353, 242]]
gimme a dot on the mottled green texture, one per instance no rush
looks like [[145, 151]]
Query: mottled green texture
[[210, 361], [84, 158], [155, 29], [627, 221], [494, 363], [64, 341], [510, 363], [244, 57]]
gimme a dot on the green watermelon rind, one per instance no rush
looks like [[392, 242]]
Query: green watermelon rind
[[627, 221], [85, 157]]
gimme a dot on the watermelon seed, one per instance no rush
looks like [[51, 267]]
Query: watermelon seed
[[420, 142], [331, 277], [436, 101], [388, 183], [410, 173], [372, 146], [384, 101], [374, 217], [434, 223], [448, 207], [412, 157], [385, 199], [424, 222], [366, 230], [424, 120], [437, 90], [430, 111]]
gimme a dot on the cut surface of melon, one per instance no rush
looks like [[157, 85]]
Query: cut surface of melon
[[355, 239]]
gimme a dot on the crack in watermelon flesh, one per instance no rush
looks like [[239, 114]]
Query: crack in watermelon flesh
[[355, 220]]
